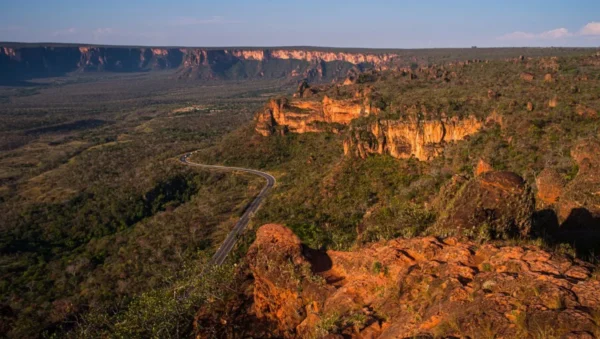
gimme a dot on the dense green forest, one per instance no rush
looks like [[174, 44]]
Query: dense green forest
[[96, 209]]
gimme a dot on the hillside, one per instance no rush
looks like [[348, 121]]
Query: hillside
[[457, 200], [428, 197]]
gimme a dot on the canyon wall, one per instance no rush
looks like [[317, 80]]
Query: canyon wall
[[23, 62], [423, 139], [302, 116]]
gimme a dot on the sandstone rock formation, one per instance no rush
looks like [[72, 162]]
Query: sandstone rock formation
[[25, 61], [422, 287], [482, 167], [413, 137], [492, 205], [585, 111], [529, 106], [302, 116], [550, 185], [527, 77], [304, 90]]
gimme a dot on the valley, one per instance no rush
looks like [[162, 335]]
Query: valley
[[428, 193]]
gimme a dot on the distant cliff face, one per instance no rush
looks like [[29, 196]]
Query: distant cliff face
[[26, 62]]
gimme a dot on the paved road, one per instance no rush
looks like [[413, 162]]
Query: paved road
[[241, 224]]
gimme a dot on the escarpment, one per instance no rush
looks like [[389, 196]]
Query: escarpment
[[416, 133], [423, 139], [304, 116], [22, 61], [421, 287]]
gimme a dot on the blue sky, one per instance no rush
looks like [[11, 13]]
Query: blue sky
[[350, 23]]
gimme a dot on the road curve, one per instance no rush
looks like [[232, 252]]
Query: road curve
[[227, 245]]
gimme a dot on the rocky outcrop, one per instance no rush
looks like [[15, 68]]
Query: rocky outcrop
[[550, 185], [585, 111], [422, 139], [280, 268], [23, 61], [490, 206], [527, 76], [422, 287], [482, 167], [302, 116], [579, 204]]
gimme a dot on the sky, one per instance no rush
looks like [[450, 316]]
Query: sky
[[349, 23]]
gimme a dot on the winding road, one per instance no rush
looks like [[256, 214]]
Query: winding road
[[227, 245]]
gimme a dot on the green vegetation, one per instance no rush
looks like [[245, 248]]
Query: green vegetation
[[338, 202], [99, 219], [104, 233]]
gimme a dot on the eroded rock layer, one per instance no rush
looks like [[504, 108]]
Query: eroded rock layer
[[301, 116], [24, 61], [422, 287], [403, 139]]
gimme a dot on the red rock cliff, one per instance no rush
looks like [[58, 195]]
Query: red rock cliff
[[403, 139], [22, 61]]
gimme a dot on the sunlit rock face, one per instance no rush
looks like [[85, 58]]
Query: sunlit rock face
[[28, 61], [407, 288], [423, 139], [302, 116]]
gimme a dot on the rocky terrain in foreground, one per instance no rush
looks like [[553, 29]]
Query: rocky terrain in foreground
[[422, 287], [432, 286]]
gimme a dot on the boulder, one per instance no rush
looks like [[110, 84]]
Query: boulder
[[586, 154], [585, 111], [281, 272], [482, 167], [527, 76], [492, 205], [530, 106], [550, 185]]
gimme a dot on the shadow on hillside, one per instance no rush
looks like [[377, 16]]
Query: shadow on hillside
[[319, 260], [68, 127], [581, 230]]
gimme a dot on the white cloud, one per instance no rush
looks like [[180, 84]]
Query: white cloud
[[593, 28], [558, 33], [517, 36]]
